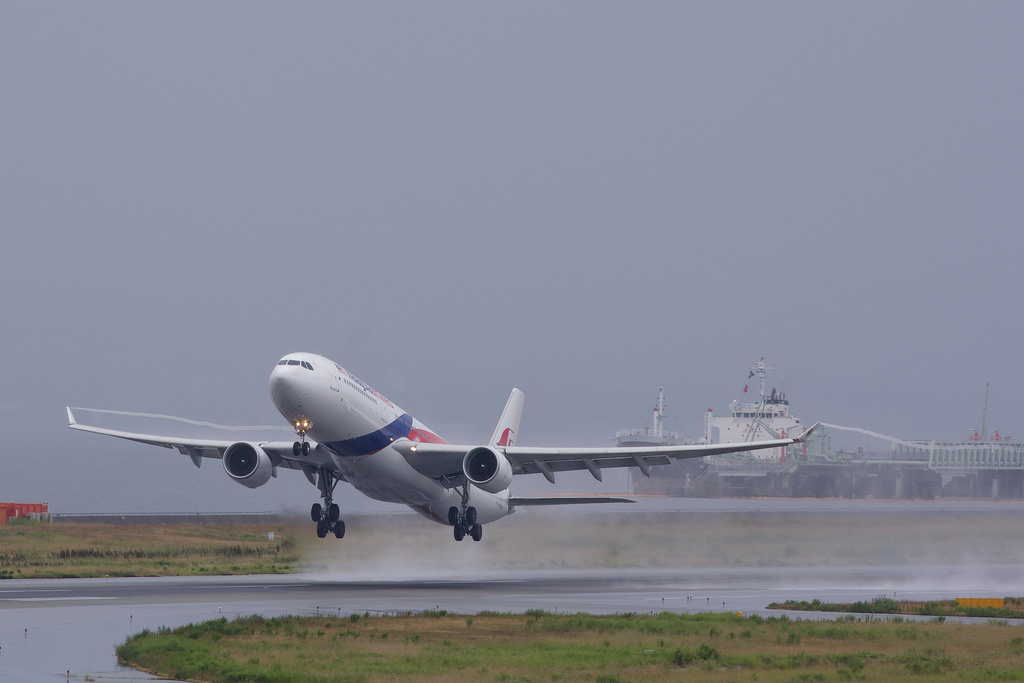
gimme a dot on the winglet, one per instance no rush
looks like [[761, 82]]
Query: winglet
[[806, 435], [507, 430], [71, 418]]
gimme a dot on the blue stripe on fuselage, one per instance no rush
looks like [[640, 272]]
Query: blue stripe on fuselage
[[374, 441]]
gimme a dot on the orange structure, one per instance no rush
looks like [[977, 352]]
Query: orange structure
[[30, 510], [981, 602]]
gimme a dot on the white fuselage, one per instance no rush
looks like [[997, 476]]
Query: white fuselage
[[354, 426]]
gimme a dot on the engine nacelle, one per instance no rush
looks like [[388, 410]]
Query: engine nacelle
[[488, 469], [248, 464]]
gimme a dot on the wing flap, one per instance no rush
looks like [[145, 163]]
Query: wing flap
[[571, 464], [434, 460], [208, 448]]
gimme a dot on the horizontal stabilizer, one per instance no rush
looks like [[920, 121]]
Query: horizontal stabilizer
[[566, 500]]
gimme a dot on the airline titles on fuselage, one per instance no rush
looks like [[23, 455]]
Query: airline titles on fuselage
[[368, 391]]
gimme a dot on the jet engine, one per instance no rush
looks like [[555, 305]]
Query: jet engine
[[488, 469], [248, 464]]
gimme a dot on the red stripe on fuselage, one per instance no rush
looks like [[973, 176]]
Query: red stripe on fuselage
[[424, 436]]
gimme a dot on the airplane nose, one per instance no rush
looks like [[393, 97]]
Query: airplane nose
[[288, 389], [277, 386]]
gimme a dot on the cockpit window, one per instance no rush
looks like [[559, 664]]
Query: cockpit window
[[291, 361]]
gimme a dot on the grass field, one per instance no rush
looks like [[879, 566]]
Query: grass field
[[1012, 608], [31, 549], [541, 647]]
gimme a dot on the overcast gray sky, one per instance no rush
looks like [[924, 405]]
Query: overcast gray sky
[[585, 200]]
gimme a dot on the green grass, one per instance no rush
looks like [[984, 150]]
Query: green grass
[[35, 550], [547, 647], [1013, 608]]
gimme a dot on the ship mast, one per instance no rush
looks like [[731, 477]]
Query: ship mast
[[760, 370], [984, 414], [659, 410]]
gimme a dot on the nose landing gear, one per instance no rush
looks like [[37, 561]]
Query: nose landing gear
[[301, 447]]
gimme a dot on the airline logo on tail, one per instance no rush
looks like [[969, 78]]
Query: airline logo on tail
[[505, 433], [508, 437]]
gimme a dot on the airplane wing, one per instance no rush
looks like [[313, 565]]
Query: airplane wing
[[280, 452], [514, 502], [444, 461]]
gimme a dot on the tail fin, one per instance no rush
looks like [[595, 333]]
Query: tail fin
[[508, 426]]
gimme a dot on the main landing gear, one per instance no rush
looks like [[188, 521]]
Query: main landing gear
[[327, 516], [464, 520]]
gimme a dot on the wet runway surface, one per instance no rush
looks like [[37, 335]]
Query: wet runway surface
[[55, 630]]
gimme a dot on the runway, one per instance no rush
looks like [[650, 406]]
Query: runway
[[835, 551], [52, 628]]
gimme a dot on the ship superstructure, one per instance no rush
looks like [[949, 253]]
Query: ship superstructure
[[767, 418], [650, 437]]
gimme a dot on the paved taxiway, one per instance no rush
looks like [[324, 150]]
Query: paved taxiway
[[51, 627]]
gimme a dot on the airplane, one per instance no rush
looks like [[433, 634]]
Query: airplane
[[347, 431]]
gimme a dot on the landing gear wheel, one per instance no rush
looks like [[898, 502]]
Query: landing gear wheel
[[296, 449], [305, 448], [460, 533], [327, 514], [477, 532], [470, 517], [453, 516]]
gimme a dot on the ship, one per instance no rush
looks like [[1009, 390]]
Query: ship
[[765, 418], [656, 436], [978, 467]]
